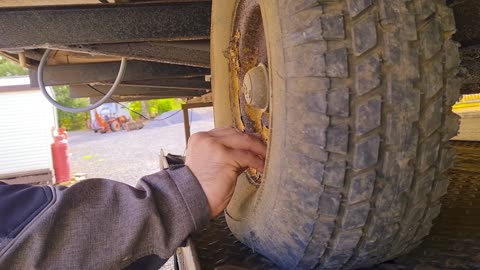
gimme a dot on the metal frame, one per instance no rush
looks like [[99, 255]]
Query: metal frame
[[136, 97], [197, 83], [79, 91], [50, 26], [186, 118], [189, 53], [106, 72]]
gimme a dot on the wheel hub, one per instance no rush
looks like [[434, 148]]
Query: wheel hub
[[255, 87]]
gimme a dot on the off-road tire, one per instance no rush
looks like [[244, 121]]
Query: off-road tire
[[361, 122], [115, 126]]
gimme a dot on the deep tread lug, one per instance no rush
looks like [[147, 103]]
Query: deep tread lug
[[432, 117], [433, 77], [339, 102], [368, 115], [335, 173], [356, 216], [337, 64], [366, 153], [337, 138], [362, 187], [364, 36], [424, 8], [333, 27], [428, 153], [368, 75], [329, 203], [355, 7], [431, 40]]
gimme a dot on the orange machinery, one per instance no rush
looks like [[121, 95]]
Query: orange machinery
[[109, 124]]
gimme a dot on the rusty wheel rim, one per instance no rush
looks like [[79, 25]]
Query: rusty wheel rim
[[248, 55]]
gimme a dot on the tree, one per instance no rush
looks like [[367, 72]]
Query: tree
[[10, 68], [155, 107], [74, 121], [70, 121]]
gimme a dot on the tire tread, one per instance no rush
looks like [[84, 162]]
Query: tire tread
[[385, 143]]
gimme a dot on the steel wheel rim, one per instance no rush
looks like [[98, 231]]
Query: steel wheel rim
[[248, 51]]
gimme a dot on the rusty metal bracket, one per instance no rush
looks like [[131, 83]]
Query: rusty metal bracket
[[186, 119]]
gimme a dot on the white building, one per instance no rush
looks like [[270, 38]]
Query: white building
[[26, 120]]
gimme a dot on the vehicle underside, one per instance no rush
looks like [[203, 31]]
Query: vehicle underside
[[353, 98]]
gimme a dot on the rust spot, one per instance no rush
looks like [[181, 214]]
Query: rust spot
[[247, 50]]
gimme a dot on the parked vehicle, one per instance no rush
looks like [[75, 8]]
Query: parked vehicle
[[108, 121]]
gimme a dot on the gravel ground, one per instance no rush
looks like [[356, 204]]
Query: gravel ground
[[127, 156]]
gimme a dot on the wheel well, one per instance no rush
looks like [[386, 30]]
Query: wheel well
[[468, 36]]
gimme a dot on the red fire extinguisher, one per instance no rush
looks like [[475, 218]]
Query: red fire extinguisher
[[63, 131], [61, 162]]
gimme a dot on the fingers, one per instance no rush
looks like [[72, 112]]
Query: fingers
[[232, 139], [246, 159], [244, 142], [235, 139], [225, 131], [256, 135]]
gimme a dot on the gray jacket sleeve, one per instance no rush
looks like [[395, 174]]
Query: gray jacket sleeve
[[102, 224]]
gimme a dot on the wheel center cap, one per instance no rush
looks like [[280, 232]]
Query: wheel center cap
[[255, 87]]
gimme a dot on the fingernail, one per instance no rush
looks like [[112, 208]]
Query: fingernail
[[238, 130]]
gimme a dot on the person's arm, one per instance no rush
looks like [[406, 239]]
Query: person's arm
[[102, 224], [99, 224]]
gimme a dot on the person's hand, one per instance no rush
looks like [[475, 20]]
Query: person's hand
[[218, 157]]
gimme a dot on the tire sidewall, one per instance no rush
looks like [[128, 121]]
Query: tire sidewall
[[255, 215]]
